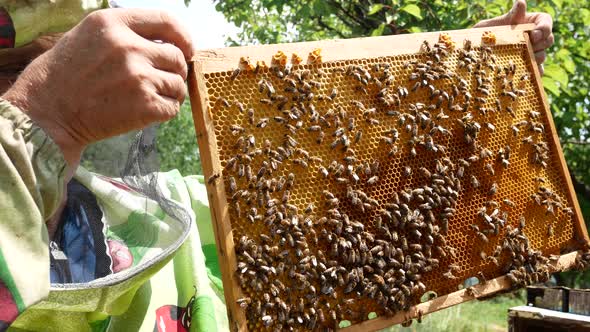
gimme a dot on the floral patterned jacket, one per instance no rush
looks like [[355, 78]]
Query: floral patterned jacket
[[122, 263]]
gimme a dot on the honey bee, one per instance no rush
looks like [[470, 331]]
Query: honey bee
[[235, 74], [342, 180], [460, 171], [474, 182], [521, 222], [449, 275], [493, 189], [213, 178], [262, 123], [407, 171], [490, 168], [237, 209], [481, 277], [338, 132], [373, 179], [232, 184], [320, 137], [550, 231], [425, 172], [510, 94], [290, 180]]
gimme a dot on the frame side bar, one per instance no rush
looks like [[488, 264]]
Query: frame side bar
[[205, 132]]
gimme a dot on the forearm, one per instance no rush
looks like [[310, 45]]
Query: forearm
[[42, 112], [32, 172]]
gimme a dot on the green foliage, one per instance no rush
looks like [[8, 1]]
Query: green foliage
[[177, 143], [272, 21], [567, 68], [473, 316], [108, 157], [567, 83]]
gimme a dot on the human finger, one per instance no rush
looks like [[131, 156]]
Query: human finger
[[543, 26], [540, 56], [169, 107], [158, 25], [169, 84], [544, 44], [166, 57], [517, 14]]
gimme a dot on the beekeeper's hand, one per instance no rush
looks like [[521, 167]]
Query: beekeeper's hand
[[541, 37], [105, 77]]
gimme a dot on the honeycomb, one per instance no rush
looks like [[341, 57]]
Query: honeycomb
[[244, 120]]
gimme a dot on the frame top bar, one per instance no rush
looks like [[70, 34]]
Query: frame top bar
[[225, 59]]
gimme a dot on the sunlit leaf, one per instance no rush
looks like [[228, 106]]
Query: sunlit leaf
[[413, 10], [557, 73], [389, 17], [547, 8], [557, 3], [379, 30], [321, 8], [550, 85], [375, 8], [562, 54], [556, 110], [569, 65]]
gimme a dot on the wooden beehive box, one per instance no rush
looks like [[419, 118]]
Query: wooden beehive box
[[347, 188]]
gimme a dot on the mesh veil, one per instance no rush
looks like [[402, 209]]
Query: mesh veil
[[140, 174]]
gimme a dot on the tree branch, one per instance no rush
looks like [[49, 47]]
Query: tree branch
[[347, 13], [576, 142], [432, 13], [345, 20]]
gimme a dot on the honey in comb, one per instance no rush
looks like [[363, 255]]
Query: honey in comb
[[307, 185]]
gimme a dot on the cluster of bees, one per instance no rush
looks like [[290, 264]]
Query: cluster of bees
[[313, 264], [526, 265], [582, 261]]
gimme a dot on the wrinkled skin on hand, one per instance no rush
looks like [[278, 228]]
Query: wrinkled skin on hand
[[106, 77], [542, 35]]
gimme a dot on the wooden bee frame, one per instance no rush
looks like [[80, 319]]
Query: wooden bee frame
[[216, 65]]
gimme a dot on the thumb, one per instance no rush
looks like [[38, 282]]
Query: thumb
[[514, 16], [517, 13]]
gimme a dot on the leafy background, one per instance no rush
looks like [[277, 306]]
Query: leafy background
[[566, 82]]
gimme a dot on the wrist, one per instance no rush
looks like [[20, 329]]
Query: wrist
[[32, 98]]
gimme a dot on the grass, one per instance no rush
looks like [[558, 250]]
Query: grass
[[474, 316]]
